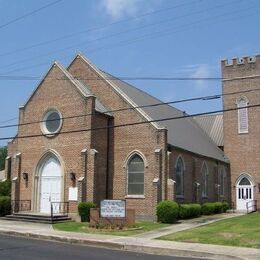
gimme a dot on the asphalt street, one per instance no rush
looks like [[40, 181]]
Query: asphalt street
[[22, 248]]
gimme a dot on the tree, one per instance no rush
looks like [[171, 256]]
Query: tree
[[3, 155]]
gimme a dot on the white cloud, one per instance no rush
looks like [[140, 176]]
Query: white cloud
[[197, 71], [119, 8], [201, 71]]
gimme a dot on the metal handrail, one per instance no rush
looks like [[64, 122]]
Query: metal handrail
[[59, 208], [20, 205], [254, 206]]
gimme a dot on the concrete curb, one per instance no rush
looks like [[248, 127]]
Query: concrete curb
[[119, 245]]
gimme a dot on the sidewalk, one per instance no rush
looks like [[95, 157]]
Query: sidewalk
[[187, 224], [140, 243]]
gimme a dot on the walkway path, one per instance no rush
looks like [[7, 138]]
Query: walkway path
[[187, 224], [141, 243]]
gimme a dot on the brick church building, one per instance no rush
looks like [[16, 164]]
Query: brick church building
[[92, 136]]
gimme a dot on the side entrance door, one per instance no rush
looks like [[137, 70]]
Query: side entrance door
[[245, 193]]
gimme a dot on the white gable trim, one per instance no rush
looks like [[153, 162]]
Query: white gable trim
[[122, 94]]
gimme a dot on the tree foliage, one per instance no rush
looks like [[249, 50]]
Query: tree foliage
[[3, 155]]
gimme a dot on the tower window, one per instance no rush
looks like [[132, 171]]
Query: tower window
[[242, 115]]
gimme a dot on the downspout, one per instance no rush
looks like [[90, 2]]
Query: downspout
[[108, 164]]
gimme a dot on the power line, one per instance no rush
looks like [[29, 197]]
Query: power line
[[29, 14], [117, 34], [163, 33], [7, 77], [112, 78], [6, 121], [98, 28], [131, 124], [146, 36], [203, 98]]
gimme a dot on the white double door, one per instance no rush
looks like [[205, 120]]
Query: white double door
[[50, 186]]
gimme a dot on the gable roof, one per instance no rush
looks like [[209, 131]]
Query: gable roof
[[115, 88], [183, 133], [81, 87], [213, 126]]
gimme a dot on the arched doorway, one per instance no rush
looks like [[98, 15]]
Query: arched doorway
[[245, 191], [50, 183]]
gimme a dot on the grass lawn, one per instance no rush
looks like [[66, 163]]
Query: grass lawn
[[140, 227], [241, 231]]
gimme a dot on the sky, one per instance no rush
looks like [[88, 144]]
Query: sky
[[127, 38]]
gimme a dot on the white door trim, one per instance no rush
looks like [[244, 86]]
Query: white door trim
[[36, 191], [50, 184], [244, 192]]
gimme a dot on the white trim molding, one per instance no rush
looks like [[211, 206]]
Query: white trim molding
[[242, 114]]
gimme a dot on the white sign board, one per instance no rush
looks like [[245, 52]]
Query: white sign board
[[73, 193], [112, 209]]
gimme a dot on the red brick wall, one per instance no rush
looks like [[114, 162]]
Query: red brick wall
[[62, 95], [243, 150], [124, 140], [193, 173]]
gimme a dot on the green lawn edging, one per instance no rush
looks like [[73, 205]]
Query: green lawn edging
[[242, 231]]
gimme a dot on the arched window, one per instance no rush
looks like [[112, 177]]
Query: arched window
[[205, 177], [135, 171], [242, 115], [179, 170], [222, 181]]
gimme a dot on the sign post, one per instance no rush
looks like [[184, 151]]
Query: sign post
[[112, 213]]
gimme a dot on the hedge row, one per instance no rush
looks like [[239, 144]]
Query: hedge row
[[169, 211], [187, 211], [214, 208]]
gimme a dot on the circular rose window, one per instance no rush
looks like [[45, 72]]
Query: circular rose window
[[51, 122]]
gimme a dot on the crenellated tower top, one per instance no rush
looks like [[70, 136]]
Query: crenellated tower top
[[240, 67]]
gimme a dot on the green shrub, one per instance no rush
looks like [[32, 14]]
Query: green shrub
[[218, 207], [5, 188], [208, 208], [187, 211], [84, 210], [225, 206], [214, 208], [167, 211], [184, 211], [5, 205]]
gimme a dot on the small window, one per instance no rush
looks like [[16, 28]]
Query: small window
[[179, 170], [242, 115], [205, 176], [135, 172], [52, 122]]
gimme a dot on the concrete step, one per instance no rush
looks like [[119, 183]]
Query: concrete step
[[38, 218]]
